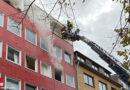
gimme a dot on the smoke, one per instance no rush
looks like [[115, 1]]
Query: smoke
[[37, 16], [50, 38]]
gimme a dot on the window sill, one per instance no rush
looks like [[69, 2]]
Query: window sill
[[30, 69], [59, 81], [15, 33], [45, 76], [70, 86], [13, 62], [31, 42], [68, 63], [44, 50], [89, 85]]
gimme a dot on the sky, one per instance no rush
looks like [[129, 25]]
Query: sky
[[96, 20]]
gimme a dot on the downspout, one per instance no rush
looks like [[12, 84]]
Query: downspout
[[77, 75], [77, 66]]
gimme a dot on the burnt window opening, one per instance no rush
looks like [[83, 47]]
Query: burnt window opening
[[58, 75], [30, 62]]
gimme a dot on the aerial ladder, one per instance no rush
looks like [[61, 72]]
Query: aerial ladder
[[113, 63]]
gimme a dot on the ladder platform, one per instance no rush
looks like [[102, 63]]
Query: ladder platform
[[72, 37]]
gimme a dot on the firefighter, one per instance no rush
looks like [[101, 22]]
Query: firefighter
[[69, 27]]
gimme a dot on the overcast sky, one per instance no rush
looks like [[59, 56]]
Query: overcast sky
[[96, 19]]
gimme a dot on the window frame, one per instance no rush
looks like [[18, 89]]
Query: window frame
[[112, 88], [11, 78], [50, 71], [71, 62], [20, 55], [106, 74], [26, 28], [56, 46], [20, 34], [30, 85], [1, 48], [102, 83], [36, 63], [88, 76], [47, 43], [95, 67], [2, 19], [73, 80]]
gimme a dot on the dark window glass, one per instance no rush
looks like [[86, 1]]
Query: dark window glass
[[30, 87]]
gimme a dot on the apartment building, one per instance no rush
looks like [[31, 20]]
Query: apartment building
[[92, 76], [32, 57]]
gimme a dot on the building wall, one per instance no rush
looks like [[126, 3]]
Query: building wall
[[19, 71], [97, 78]]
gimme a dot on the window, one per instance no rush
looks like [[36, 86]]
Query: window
[[58, 75], [1, 19], [43, 89], [12, 84], [0, 49], [13, 55], [88, 80], [102, 86], [67, 57], [30, 87], [44, 44], [80, 59], [45, 69], [57, 51], [1, 81], [30, 36], [14, 26], [31, 63], [113, 88], [95, 67], [69, 80], [106, 74]]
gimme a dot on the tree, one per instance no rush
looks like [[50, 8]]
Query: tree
[[124, 32]]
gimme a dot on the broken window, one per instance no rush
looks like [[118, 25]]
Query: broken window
[[13, 55], [69, 80], [44, 44], [67, 57], [12, 84], [45, 69], [58, 74], [57, 51], [1, 19], [31, 62], [0, 49], [30, 36], [30, 87], [14, 26]]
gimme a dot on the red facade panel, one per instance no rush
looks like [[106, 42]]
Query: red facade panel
[[9, 69]]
